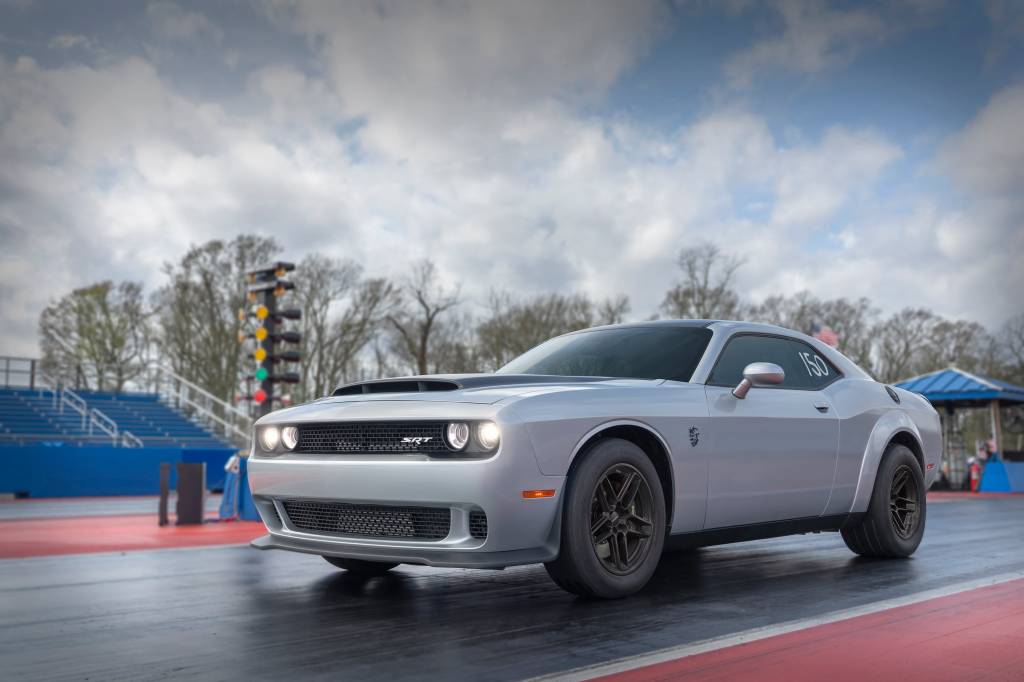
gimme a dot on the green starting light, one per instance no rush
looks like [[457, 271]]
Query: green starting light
[[261, 374]]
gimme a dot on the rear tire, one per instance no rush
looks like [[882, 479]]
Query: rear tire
[[894, 523], [359, 566], [613, 523]]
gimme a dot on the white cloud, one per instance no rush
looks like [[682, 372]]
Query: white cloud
[[814, 37], [434, 79], [467, 143], [172, 22]]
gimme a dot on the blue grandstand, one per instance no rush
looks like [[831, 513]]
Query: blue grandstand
[[57, 443], [32, 415]]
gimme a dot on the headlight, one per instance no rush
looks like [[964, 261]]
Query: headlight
[[458, 435], [488, 434], [290, 437], [269, 437]]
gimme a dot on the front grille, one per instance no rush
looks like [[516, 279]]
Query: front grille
[[370, 520], [478, 524], [372, 437]]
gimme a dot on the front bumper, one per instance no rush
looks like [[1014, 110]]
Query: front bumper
[[519, 531]]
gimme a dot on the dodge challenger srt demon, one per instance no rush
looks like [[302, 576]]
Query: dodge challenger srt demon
[[597, 450]]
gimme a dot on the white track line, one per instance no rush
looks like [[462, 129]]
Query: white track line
[[755, 634]]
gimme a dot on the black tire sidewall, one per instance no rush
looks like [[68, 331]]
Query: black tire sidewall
[[577, 548], [893, 544]]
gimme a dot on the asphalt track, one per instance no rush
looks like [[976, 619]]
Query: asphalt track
[[231, 612]]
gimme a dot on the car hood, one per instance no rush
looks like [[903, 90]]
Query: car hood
[[426, 397], [470, 388]]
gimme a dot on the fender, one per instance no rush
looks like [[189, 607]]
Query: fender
[[891, 423], [604, 426], [673, 506]]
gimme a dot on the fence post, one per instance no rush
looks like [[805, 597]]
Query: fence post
[[32, 374]]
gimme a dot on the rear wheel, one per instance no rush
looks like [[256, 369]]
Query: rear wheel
[[894, 523], [359, 566], [613, 523]]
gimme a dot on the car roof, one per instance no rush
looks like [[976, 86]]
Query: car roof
[[847, 366]]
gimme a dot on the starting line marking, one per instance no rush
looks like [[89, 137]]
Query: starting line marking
[[754, 634]]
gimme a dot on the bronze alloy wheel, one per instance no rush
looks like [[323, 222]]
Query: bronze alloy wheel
[[620, 519], [904, 502]]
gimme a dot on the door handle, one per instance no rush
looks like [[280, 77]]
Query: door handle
[[821, 407]]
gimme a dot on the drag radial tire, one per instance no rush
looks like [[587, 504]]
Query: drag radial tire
[[894, 523], [613, 523], [359, 566]]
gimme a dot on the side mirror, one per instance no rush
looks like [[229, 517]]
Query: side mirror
[[759, 374]]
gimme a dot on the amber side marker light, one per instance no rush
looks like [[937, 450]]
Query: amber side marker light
[[536, 494]]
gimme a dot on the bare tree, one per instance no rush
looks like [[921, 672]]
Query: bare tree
[[853, 321], [1011, 342], [341, 312], [899, 341], [956, 342], [198, 307], [100, 334], [416, 324], [613, 310], [705, 289]]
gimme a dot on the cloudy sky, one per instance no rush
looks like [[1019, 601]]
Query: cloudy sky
[[850, 149]]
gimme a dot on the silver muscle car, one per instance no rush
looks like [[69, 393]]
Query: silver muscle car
[[597, 450]]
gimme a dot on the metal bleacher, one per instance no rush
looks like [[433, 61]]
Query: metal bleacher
[[28, 415], [152, 421]]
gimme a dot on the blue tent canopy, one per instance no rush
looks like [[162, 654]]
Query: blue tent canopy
[[954, 385]]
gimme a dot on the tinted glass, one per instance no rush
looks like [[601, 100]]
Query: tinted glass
[[804, 367], [627, 353]]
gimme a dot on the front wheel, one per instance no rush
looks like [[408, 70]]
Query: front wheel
[[613, 523], [361, 567], [894, 523]]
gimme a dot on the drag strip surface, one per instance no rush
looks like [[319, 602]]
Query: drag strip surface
[[232, 612]]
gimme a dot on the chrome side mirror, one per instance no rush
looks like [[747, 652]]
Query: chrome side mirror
[[759, 374]]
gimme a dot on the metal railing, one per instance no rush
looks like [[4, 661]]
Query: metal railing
[[18, 372], [198, 404], [202, 406], [92, 418]]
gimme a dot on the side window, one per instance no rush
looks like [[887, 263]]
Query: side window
[[742, 350], [805, 368], [813, 370]]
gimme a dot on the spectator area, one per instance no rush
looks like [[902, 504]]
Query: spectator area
[[28, 416], [46, 452]]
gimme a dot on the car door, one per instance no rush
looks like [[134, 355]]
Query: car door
[[774, 452]]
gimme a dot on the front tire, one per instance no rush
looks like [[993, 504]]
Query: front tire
[[894, 523], [361, 567], [613, 523]]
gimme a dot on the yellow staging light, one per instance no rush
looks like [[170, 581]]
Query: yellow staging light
[[241, 337], [241, 314], [280, 272], [260, 354], [262, 312], [261, 333], [252, 296], [279, 290]]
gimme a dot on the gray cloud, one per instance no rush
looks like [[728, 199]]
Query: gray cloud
[[463, 132]]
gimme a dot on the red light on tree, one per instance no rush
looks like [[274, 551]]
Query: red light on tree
[[259, 396]]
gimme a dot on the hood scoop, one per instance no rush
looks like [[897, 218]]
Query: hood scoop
[[454, 382], [410, 385]]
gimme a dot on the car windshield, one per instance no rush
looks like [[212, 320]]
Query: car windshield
[[623, 353]]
